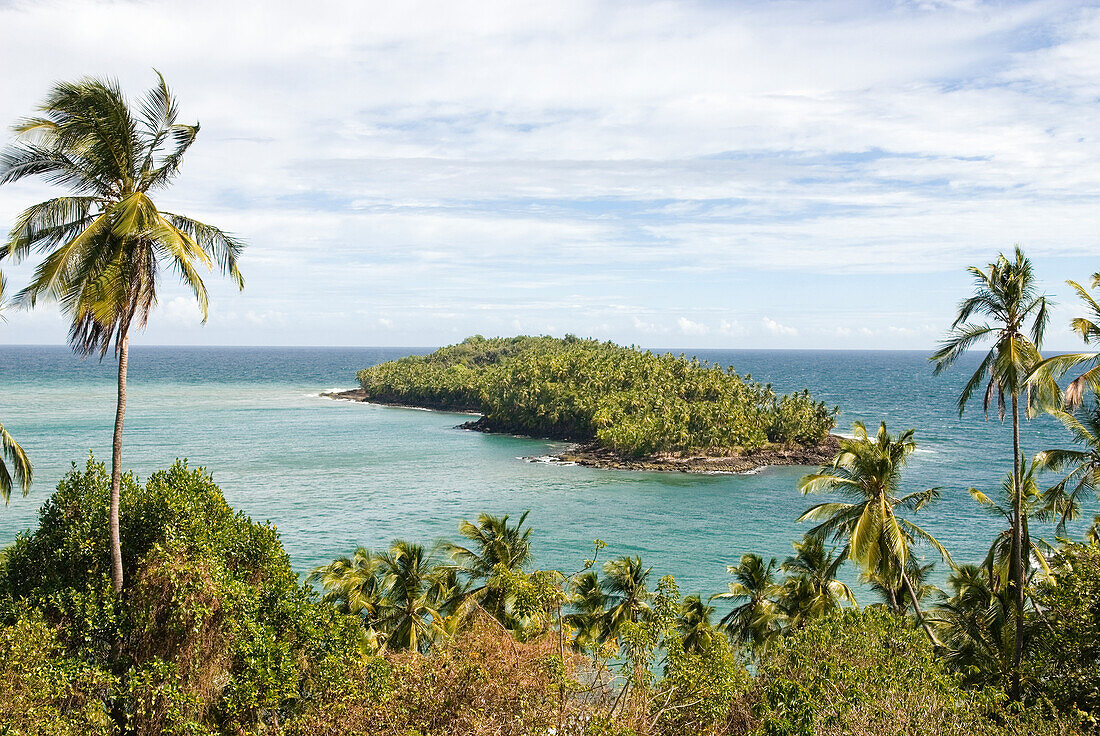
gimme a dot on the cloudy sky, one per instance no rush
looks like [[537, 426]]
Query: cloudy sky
[[670, 174]]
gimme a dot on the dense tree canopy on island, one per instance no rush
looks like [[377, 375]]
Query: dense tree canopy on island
[[628, 400]]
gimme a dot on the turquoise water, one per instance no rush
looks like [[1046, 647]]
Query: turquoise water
[[332, 474]]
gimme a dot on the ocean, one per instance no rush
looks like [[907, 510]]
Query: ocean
[[332, 475]]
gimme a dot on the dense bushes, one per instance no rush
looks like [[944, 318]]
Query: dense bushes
[[631, 401], [869, 672], [1065, 652], [213, 635], [213, 632]]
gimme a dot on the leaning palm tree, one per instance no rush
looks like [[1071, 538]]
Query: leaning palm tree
[[868, 472], [1088, 328], [1007, 296], [496, 546], [756, 619], [107, 244], [1081, 468], [20, 473]]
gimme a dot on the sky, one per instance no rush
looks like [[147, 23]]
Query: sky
[[667, 174]]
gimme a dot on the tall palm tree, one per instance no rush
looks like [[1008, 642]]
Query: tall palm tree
[[107, 243], [868, 471], [1006, 294], [1088, 328], [812, 589], [496, 545], [413, 617], [21, 473], [1081, 468], [756, 619]]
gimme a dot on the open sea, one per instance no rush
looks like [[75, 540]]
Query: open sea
[[332, 475]]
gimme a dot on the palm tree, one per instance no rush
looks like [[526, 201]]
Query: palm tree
[[1081, 467], [755, 619], [496, 545], [694, 624], [627, 598], [1006, 294], [412, 618], [107, 243], [998, 561], [974, 626], [590, 609], [354, 584], [812, 589], [892, 591], [20, 474], [1089, 329], [868, 471]]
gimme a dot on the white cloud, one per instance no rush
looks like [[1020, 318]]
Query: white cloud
[[778, 329], [731, 327], [691, 328], [413, 158]]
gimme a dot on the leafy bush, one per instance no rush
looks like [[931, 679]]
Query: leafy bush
[[213, 633], [1065, 648], [42, 690], [484, 682], [869, 672], [631, 401]]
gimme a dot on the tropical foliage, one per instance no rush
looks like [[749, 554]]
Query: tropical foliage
[[630, 401], [106, 243], [868, 473], [1007, 295]]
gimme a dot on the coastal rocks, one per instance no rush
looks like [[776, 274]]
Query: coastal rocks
[[593, 455]]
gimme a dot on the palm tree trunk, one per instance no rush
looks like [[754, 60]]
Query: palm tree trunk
[[917, 609], [116, 464], [1016, 555]]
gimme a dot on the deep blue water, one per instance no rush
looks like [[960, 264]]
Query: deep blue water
[[332, 475]]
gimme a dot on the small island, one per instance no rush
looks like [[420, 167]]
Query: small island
[[621, 407]]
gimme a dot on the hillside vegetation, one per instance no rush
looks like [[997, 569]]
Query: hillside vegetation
[[631, 401]]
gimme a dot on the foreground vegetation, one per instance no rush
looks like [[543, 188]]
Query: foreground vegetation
[[214, 634], [630, 401]]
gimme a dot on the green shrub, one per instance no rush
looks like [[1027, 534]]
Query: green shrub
[[1064, 659], [869, 673], [213, 632]]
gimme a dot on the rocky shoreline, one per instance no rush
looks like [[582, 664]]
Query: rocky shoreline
[[593, 455]]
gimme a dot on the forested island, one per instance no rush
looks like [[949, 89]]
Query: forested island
[[621, 406]]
